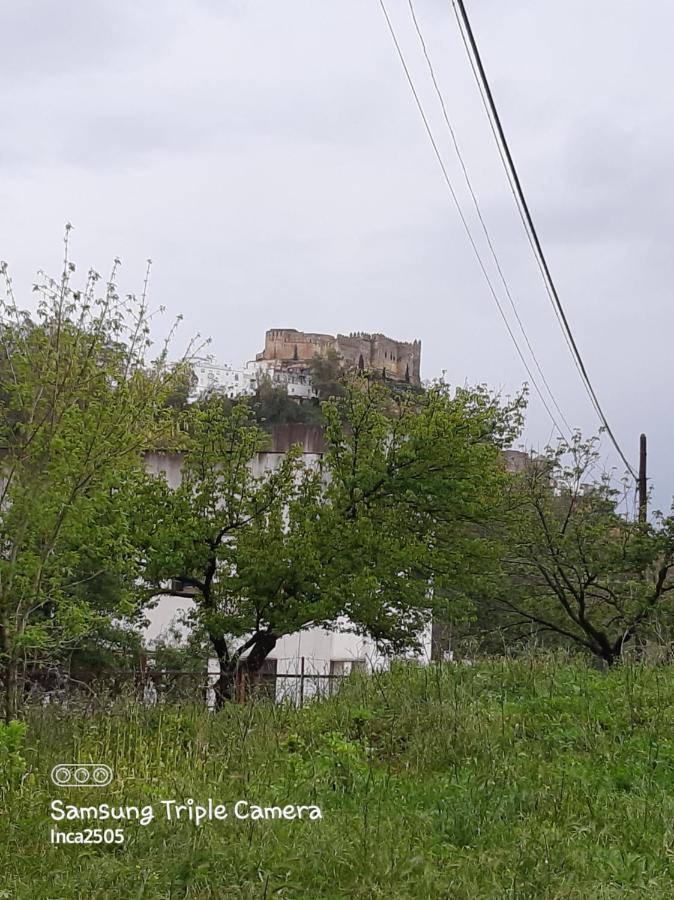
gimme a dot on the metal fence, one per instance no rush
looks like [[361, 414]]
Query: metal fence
[[149, 687]]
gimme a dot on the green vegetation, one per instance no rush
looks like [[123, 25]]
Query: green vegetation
[[271, 405], [79, 401], [528, 779], [409, 514], [577, 570], [392, 504]]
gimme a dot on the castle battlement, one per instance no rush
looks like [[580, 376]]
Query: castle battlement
[[400, 359]]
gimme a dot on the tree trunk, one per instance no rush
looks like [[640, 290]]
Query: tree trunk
[[9, 671], [12, 686], [224, 686], [259, 652], [612, 654], [236, 674]]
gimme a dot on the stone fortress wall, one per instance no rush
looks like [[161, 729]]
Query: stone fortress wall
[[378, 352]]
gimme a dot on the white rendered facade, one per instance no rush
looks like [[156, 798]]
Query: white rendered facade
[[244, 380], [232, 381]]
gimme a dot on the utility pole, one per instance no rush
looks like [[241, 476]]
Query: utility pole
[[643, 489]]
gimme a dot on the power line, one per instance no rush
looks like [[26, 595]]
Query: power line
[[461, 214], [510, 180], [476, 204], [513, 190], [516, 186]]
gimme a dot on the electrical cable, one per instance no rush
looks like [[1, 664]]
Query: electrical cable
[[462, 216], [516, 186], [469, 184]]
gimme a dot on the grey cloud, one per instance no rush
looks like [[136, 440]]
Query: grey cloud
[[45, 39], [269, 157]]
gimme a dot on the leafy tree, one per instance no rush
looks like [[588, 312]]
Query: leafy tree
[[109, 647], [79, 403], [393, 510], [414, 481], [183, 383], [577, 569], [326, 375], [202, 530], [271, 405], [178, 652]]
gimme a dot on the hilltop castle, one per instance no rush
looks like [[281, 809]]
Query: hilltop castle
[[400, 359]]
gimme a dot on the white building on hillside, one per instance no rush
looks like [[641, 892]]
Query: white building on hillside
[[236, 382], [223, 377], [296, 379]]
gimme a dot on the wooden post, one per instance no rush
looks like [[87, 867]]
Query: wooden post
[[302, 682], [643, 484], [142, 668], [241, 685]]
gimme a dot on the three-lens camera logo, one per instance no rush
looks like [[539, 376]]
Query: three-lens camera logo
[[81, 775]]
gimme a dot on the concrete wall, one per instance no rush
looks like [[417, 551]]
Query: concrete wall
[[516, 460]]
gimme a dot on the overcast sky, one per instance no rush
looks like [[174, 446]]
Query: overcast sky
[[268, 156]]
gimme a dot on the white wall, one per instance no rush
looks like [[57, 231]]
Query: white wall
[[232, 381], [240, 381]]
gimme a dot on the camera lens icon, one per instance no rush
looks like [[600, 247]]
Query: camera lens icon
[[102, 775], [60, 775], [81, 775]]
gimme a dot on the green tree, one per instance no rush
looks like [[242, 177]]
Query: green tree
[[326, 374], [218, 533], [183, 384], [79, 403], [415, 482], [271, 405], [385, 530], [577, 569]]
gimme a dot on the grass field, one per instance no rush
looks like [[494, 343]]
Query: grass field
[[528, 779]]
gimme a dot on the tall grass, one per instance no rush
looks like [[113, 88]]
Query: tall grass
[[518, 779]]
